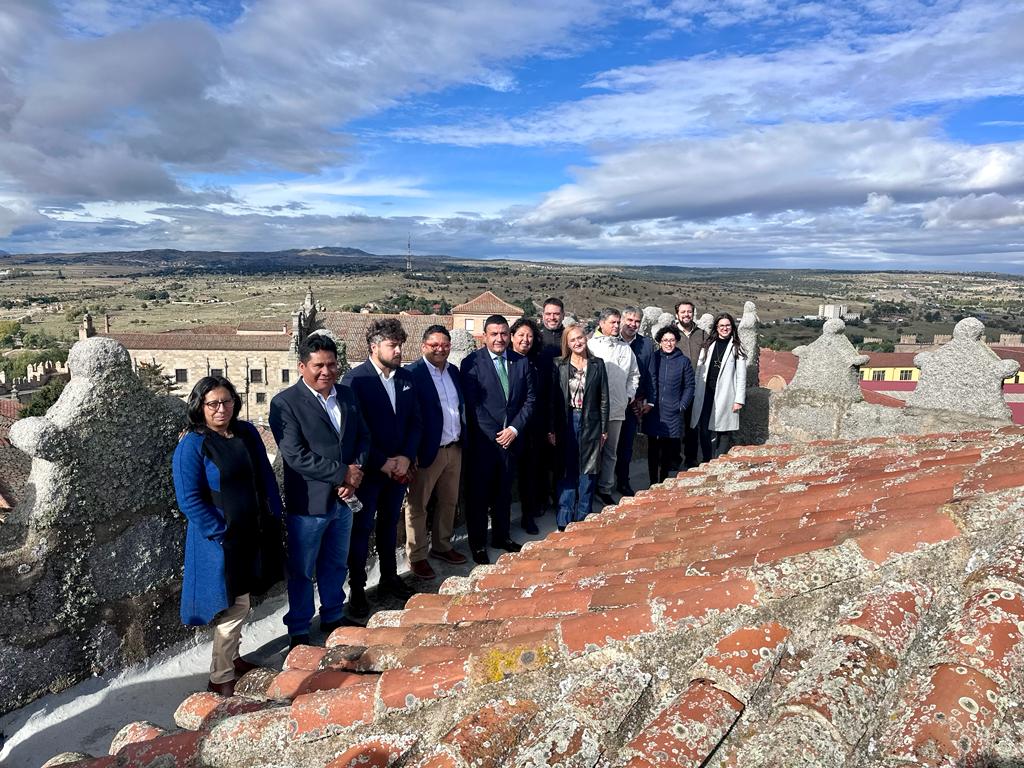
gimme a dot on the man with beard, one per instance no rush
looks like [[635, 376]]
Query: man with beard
[[387, 399], [551, 318], [691, 341]]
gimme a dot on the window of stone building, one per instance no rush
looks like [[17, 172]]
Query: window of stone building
[[470, 324], [216, 371], [181, 375], [286, 375], [261, 397], [906, 375], [878, 375], [256, 375]]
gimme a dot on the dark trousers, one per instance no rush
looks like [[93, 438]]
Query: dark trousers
[[712, 444], [491, 470], [662, 457], [532, 475], [382, 508], [625, 452], [689, 440]]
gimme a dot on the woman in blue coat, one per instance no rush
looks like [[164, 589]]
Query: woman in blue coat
[[227, 490], [672, 379]]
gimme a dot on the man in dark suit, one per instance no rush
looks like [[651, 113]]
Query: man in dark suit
[[499, 387], [324, 442], [439, 459], [387, 397], [643, 401]]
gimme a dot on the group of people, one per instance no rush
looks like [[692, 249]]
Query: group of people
[[539, 403]]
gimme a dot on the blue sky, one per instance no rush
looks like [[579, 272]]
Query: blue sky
[[768, 133]]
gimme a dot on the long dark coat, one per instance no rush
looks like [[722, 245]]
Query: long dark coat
[[673, 381], [595, 411]]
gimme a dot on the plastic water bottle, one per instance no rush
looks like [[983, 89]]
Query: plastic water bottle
[[354, 503]]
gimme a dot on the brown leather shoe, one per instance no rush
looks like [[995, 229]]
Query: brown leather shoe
[[421, 570], [242, 666], [224, 689], [452, 556]]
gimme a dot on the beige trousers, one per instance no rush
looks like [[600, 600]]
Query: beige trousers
[[443, 476], [227, 635]]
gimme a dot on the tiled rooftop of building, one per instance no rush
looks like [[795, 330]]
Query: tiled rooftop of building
[[486, 304], [350, 327], [194, 339], [830, 603]]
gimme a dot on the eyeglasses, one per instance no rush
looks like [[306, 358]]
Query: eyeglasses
[[438, 346], [216, 405]]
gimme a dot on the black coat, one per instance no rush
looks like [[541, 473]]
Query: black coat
[[673, 382], [594, 415]]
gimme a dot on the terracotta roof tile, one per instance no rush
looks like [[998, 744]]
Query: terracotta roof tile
[[378, 752], [658, 631], [350, 327], [201, 341], [487, 303]]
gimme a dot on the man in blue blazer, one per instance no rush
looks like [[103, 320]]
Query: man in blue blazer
[[387, 398], [324, 442], [500, 390], [439, 458]]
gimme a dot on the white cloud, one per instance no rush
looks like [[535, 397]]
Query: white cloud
[[962, 55], [800, 166], [974, 211]]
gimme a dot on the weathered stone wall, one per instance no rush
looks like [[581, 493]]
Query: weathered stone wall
[[959, 389], [91, 557], [235, 365]]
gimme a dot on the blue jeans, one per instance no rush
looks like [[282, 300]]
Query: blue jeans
[[317, 546], [575, 490]]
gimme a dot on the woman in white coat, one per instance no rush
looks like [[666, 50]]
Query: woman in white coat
[[721, 388]]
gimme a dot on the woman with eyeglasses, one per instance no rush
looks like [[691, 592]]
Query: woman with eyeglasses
[[721, 388], [664, 424], [227, 490]]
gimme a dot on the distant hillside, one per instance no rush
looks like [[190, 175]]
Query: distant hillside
[[170, 257]]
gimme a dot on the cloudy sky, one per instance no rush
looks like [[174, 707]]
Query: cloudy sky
[[777, 133]]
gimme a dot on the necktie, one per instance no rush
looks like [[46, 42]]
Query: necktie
[[503, 376]]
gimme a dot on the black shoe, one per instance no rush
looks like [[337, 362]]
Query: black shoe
[[605, 498], [480, 557], [358, 605], [529, 526], [329, 626], [561, 528], [508, 545], [626, 490], [295, 640], [392, 586]]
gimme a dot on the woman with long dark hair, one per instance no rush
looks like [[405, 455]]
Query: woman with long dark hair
[[721, 388], [227, 490], [525, 339], [578, 423], [672, 385]]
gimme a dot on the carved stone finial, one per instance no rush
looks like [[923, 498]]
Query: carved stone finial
[[963, 375], [705, 322], [748, 339], [651, 315], [463, 344], [830, 364], [665, 319]]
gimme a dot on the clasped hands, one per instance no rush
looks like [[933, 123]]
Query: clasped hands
[[505, 437], [397, 468], [353, 477]]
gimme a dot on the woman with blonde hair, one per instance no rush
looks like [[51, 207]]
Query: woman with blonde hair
[[578, 423]]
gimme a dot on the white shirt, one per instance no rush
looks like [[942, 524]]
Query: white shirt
[[622, 370], [330, 404], [451, 429], [387, 378]]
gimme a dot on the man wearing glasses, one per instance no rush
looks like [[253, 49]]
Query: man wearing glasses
[[324, 443], [442, 410]]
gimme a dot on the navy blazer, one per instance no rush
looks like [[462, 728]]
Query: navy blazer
[[316, 457], [392, 432], [430, 409], [644, 349], [486, 409]]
